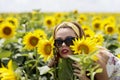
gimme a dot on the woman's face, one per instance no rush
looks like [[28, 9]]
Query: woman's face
[[64, 36]]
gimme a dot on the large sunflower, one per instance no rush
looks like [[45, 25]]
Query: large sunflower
[[7, 30], [7, 73], [85, 46], [31, 40], [45, 48]]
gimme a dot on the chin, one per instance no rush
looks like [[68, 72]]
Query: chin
[[64, 56]]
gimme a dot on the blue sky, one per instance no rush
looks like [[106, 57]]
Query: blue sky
[[60, 5]]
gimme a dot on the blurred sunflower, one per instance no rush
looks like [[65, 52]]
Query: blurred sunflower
[[83, 46], [7, 30], [7, 73], [31, 40], [83, 17], [45, 48], [1, 20], [13, 21], [97, 17], [85, 27], [75, 12], [96, 25], [49, 21], [110, 29], [41, 33], [111, 19], [106, 22], [89, 33], [118, 29], [99, 39]]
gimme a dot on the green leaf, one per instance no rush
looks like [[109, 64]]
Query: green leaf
[[65, 70], [5, 54]]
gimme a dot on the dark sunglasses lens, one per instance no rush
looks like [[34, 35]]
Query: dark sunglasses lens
[[58, 42], [69, 41]]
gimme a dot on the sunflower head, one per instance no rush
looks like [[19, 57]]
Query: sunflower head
[[96, 25], [12, 20], [31, 40], [7, 30], [110, 29], [49, 21], [83, 46], [45, 48]]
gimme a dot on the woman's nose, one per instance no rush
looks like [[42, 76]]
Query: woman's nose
[[63, 44]]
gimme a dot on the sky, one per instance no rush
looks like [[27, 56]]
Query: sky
[[60, 5]]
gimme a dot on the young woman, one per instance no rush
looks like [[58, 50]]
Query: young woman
[[64, 33]]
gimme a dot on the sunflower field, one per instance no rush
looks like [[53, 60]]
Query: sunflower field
[[26, 42]]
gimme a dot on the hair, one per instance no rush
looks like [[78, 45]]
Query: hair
[[75, 24]]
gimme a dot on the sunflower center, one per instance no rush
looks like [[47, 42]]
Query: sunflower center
[[110, 29], [7, 30], [87, 35], [34, 41], [49, 22], [47, 49], [84, 48], [97, 25]]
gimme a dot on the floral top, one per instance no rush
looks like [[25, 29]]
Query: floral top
[[113, 68]]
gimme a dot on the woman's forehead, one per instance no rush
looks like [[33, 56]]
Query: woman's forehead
[[64, 32]]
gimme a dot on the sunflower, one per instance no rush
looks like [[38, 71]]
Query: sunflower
[[45, 48], [83, 17], [49, 21], [7, 73], [118, 29], [41, 33], [13, 21], [96, 18], [89, 33], [99, 39], [31, 40], [75, 11], [96, 25], [1, 20], [83, 45], [110, 29], [85, 27], [7, 30]]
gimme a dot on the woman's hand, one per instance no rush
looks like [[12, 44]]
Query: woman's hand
[[78, 72]]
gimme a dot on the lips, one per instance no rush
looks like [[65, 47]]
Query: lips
[[65, 51]]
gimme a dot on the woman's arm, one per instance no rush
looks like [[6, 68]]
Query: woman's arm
[[103, 56]]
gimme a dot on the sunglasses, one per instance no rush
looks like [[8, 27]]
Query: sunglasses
[[68, 41]]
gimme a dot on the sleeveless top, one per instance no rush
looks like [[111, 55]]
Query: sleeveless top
[[113, 67]]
